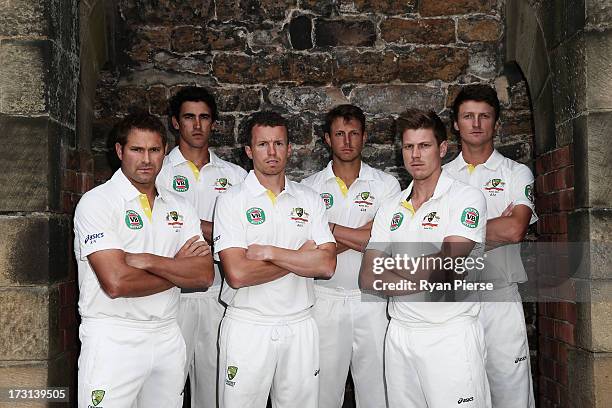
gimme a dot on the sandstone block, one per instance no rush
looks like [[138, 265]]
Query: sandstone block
[[298, 99], [238, 99], [385, 6], [364, 67], [356, 33], [427, 64], [428, 8], [244, 69], [388, 99], [308, 69], [430, 31], [475, 29]]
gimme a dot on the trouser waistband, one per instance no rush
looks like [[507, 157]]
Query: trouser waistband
[[142, 325], [249, 317]]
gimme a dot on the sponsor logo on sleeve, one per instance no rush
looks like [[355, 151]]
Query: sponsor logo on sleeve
[[256, 216], [180, 184], [431, 220], [396, 221], [529, 192], [519, 359], [328, 198], [470, 217], [464, 400], [133, 220], [232, 371], [92, 238]]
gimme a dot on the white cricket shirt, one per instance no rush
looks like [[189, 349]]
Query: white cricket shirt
[[351, 207], [247, 214]]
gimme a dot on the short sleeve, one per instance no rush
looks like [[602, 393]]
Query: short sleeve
[[320, 223], [229, 231], [393, 188], [94, 227], [521, 189], [380, 236], [468, 214]]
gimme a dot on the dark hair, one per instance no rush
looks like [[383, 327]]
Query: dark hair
[[263, 118], [192, 94], [478, 93], [346, 112], [420, 119], [139, 120]]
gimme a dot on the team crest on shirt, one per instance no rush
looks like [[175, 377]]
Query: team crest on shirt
[[494, 186], [97, 396], [222, 184], [529, 192], [256, 216], [299, 216], [364, 200], [430, 221], [469, 217], [180, 184], [396, 221], [328, 199], [174, 219], [133, 220], [232, 371]]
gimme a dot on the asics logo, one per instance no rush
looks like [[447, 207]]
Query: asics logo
[[520, 359], [462, 400]]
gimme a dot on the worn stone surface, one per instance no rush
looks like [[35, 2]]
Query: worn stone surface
[[25, 264], [237, 99], [442, 8], [144, 42], [239, 68], [23, 18], [589, 378], [419, 31], [598, 14], [365, 67], [599, 70], [25, 319], [594, 315], [568, 63], [331, 33], [479, 29], [23, 77], [390, 7], [298, 99], [308, 69], [23, 374], [543, 120], [427, 64], [394, 99], [166, 11]]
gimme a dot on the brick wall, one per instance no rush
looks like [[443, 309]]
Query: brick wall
[[557, 313]]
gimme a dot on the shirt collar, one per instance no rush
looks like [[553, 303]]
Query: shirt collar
[[365, 171], [492, 162], [127, 189], [255, 187], [444, 183], [176, 157]]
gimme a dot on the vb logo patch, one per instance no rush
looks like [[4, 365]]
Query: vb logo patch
[[431, 220], [469, 217], [221, 184], [232, 371], [180, 184], [396, 221], [328, 199], [133, 220], [299, 216], [529, 192], [256, 216], [97, 396]]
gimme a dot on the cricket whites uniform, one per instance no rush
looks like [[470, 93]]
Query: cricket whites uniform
[[269, 340], [132, 350], [351, 331], [503, 181], [434, 351], [200, 311]]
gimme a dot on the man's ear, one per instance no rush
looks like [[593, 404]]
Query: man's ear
[[119, 151], [443, 149], [288, 150], [248, 151], [327, 139], [455, 126], [175, 123]]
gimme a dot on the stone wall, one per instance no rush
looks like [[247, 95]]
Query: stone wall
[[38, 90], [303, 57]]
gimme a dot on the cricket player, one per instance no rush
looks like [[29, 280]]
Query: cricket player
[[135, 245], [434, 352], [351, 331], [193, 171], [508, 189], [272, 237]]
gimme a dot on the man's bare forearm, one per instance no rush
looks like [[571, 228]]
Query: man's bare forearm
[[353, 238], [187, 272], [207, 228], [312, 263]]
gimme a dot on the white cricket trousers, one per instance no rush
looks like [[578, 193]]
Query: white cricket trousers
[[268, 355], [351, 334], [199, 318], [508, 363], [126, 364], [436, 365]]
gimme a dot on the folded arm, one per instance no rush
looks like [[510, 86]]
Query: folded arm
[[509, 228], [240, 271], [352, 238]]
